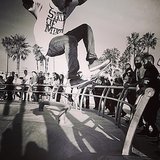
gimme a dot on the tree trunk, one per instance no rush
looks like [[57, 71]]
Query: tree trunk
[[46, 65], [37, 65], [148, 49], [18, 64], [41, 66], [7, 62]]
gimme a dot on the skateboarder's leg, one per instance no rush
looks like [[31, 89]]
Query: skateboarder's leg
[[67, 44], [84, 32]]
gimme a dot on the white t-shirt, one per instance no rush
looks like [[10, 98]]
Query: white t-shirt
[[50, 22], [26, 79]]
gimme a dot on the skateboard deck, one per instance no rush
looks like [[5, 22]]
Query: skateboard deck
[[94, 76]]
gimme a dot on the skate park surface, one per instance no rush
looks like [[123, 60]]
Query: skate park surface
[[26, 133]]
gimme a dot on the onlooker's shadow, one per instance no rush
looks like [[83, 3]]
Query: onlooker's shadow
[[6, 109], [33, 152]]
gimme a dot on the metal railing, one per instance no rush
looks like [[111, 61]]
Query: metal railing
[[136, 112], [75, 95]]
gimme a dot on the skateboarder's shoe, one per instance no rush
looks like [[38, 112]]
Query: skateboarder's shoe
[[98, 64], [84, 84], [77, 82]]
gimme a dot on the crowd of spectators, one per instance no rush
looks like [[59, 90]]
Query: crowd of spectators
[[31, 87], [143, 74]]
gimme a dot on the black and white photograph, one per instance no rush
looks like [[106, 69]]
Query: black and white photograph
[[80, 79]]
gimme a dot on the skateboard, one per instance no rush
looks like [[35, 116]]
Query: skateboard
[[75, 90], [94, 76]]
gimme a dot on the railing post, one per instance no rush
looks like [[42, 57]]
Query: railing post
[[120, 106], [105, 99], [82, 97], [149, 92]]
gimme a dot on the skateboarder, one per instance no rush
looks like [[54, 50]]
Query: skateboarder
[[48, 31]]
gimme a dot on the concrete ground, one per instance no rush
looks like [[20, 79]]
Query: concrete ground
[[26, 133]]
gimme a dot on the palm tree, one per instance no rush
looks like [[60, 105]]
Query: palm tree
[[150, 41], [135, 46], [124, 58], [16, 48], [113, 55], [38, 55], [133, 43]]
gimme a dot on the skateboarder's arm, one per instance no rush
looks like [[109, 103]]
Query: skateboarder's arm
[[72, 5], [32, 6], [80, 2]]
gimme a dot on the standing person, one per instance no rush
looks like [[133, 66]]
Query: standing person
[[139, 71], [117, 81], [150, 112], [109, 105], [139, 75], [25, 81], [10, 86], [18, 86], [60, 88], [128, 73], [48, 87], [55, 84], [48, 31], [47, 78], [97, 91], [40, 87], [33, 87], [129, 79], [2, 87]]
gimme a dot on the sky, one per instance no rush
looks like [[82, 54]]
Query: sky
[[111, 20]]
